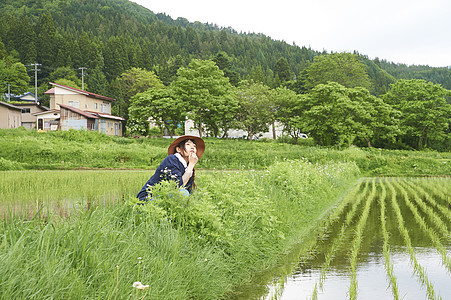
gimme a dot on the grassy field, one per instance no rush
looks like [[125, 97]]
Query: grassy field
[[22, 149]]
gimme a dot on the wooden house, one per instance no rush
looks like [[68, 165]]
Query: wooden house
[[10, 116]]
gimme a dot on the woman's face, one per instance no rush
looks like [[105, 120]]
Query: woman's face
[[189, 148]]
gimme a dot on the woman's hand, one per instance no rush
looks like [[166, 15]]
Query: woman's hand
[[192, 159]]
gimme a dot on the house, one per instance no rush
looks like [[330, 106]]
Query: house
[[27, 97], [47, 120], [10, 116], [28, 110], [84, 110]]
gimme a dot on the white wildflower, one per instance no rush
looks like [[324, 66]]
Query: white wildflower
[[140, 286]]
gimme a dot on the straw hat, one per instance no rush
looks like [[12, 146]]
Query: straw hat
[[200, 144]]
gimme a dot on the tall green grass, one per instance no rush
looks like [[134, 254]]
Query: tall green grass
[[204, 246], [25, 149]]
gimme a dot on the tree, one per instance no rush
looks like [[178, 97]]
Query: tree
[[425, 112], [282, 70], [344, 68], [46, 42], [15, 74], [256, 110], [203, 87], [333, 118], [223, 61], [132, 82], [383, 122], [67, 74], [289, 112], [158, 105]]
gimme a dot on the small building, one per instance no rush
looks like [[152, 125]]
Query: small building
[[28, 110], [47, 120], [10, 116], [27, 97]]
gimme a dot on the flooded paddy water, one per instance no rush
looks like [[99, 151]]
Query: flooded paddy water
[[27, 193], [388, 239]]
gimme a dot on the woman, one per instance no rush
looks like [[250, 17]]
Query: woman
[[183, 154]]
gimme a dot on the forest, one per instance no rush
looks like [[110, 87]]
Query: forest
[[144, 60]]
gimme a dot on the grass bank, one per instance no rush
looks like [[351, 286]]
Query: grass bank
[[199, 247], [22, 149]]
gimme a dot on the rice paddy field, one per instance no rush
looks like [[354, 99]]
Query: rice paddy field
[[388, 239], [267, 221]]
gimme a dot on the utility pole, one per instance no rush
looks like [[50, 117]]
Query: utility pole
[[9, 91], [82, 78], [36, 81]]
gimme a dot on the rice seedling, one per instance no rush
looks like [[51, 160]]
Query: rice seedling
[[355, 246], [232, 227], [339, 238], [429, 231], [443, 209], [427, 210], [418, 269], [386, 248]]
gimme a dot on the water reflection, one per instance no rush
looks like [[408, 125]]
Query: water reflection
[[371, 273], [371, 276]]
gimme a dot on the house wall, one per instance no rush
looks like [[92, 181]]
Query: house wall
[[71, 120], [110, 127], [46, 119], [66, 97], [28, 120], [10, 118]]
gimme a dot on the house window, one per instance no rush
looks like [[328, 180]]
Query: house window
[[95, 105], [25, 110], [105, 107], [75, 104]]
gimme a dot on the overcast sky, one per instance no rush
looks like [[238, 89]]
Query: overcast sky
[[414, 32]]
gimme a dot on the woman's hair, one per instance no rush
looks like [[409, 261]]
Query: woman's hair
[[181, 145]]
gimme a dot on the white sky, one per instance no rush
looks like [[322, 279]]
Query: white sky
[[414, 32]]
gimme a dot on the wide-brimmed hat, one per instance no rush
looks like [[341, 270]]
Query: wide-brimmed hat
[[200, 144]]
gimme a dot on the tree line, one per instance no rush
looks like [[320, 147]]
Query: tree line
[[127, 51], [336, 111]]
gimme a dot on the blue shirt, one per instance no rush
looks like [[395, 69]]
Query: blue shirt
[[171, 168]]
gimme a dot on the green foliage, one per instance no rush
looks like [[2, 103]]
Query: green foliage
[[204, 88], [255, 108], [289, 112], [13, 73], [425, 112], [83, 149], [344, 68]]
